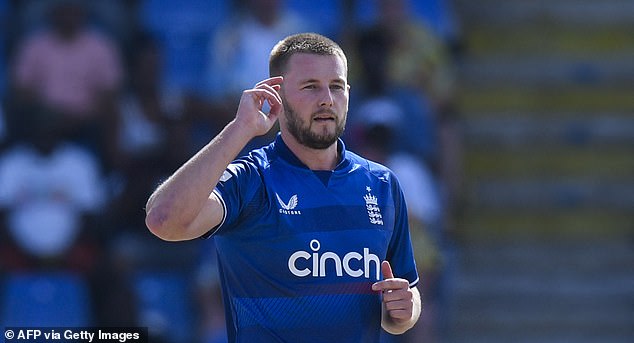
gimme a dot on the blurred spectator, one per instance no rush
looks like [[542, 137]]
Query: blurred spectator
[[239, 54], [439, 16], [51, 192], [383, 121], [183, 30], [209, 297], [240, 50], [418, 57], [420, 130], [68, 69], [151, 137], [327, 17], [117, 19], [4, 28], [151, 141], [421, 60], [114, 301], [3, 126], [417, 133]]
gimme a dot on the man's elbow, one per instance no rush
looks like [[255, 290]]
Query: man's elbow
[[157, 222]]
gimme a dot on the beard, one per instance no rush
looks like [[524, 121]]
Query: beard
[[302, 131]]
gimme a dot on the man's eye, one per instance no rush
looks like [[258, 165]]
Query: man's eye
[[309, 87]]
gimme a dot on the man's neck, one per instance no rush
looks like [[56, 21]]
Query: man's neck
[[314, 159]]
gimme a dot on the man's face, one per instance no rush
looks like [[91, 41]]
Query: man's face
[[315, 97]]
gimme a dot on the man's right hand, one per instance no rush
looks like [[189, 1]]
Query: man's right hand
[[250, 113], [184, 206]]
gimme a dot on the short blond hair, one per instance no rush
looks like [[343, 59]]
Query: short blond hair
[[309, 43]]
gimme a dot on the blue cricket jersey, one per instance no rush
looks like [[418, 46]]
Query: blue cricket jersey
[[298, 250]]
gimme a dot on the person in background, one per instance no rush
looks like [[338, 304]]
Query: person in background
[[72, 71], [418, 57], [377, 142], [418, 134], [208, 293], [51, 195], [239, 52], [3, 127], [424, 133], [152, 138], [421, 59]]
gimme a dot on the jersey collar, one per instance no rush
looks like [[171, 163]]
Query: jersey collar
[[287, 155]]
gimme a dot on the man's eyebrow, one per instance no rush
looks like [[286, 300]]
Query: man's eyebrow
[[309, 81], [338, 80]]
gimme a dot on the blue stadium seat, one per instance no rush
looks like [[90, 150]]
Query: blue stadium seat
[[45, 300], [438, 14], [325, 15], [184, 14], [184, 29], [165, 304]]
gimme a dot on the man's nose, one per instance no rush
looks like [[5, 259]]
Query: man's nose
[[326, 98]]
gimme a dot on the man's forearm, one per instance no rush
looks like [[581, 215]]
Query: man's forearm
[[177, 202], [183, 206]]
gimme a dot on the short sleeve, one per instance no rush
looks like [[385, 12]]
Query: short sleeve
[[236, 188], [400, 253]]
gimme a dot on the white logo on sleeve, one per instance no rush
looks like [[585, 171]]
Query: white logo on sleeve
[[288, 207], [316, 264], [228, 173]]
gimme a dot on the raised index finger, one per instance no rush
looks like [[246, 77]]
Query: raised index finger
[[271, 81], [386, 270]]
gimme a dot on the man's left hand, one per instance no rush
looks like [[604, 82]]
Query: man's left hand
[[397, 296]]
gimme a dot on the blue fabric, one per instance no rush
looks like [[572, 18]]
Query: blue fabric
[[297, 255], [184, 29], [45, 300], [163, 297]]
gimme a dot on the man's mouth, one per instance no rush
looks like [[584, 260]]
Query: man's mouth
[[324, 117]]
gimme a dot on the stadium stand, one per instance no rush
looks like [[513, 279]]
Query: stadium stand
[[164, 305], [46, 299]]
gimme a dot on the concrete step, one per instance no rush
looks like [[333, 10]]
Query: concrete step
[[564, 257], [518, 131], [487, 161], [548, 192], [535, 40], [501, 98], [545, 313], [480, 222], [555, 71], [545, 291], [545, 114], [510, 13], [548, 330]]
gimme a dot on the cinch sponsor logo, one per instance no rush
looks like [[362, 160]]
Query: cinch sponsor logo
[[320, 264]]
